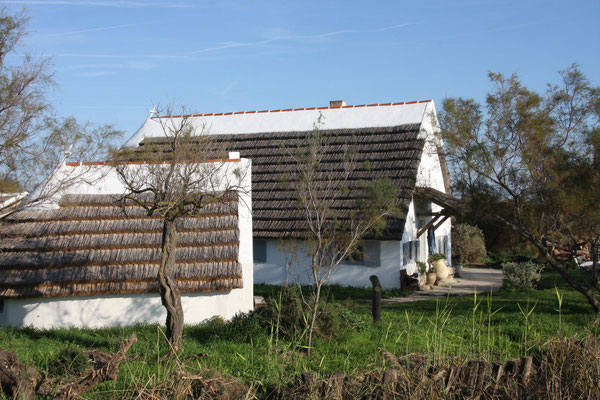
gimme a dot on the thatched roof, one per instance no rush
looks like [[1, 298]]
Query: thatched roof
[[392, 152], [95, 245]]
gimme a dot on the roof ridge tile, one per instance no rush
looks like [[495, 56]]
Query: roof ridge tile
[[295, 109]]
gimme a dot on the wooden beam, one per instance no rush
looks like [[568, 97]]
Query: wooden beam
[[441, 222], [428, 225], [427, 214], [433, 214]]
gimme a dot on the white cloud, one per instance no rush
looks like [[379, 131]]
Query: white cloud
[[281, 38], [102, 28]]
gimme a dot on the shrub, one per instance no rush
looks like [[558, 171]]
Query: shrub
[[436, 257], [519, 253], [468, 244], [523, 275], [289, 314]]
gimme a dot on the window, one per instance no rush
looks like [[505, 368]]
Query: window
[[442, 244], [259, 247], [416, 250], [372, 254], [405, 255], [357, 257], [368, 253], [411, 251]]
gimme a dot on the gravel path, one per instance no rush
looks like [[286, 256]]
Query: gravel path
[[471, 279]]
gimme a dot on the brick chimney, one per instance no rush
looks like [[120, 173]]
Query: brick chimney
[[337, 103]]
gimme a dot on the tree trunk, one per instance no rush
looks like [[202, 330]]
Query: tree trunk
[[313, 320], [594, 252], [169, 292], [584, 290], [376, 301]]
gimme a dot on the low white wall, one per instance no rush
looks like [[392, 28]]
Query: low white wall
[[118, 310]]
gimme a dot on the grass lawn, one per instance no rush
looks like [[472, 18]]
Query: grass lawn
[[499, 326]]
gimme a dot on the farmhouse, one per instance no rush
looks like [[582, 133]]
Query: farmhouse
[[394, 140], [84, 258]]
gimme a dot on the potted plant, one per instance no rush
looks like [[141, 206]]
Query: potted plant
[[439, 265], [422, 268], [430, 277]]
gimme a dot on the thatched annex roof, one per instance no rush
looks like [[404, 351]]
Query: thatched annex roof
[[392, 152], [94, 245]]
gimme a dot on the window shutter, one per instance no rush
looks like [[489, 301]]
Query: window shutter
[[417, 250], [372, 254], [259, 247], [405, 253]]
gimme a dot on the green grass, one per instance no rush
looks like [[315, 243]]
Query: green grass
[[499, 326]]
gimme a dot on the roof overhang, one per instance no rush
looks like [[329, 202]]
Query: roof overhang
[[450, 206]]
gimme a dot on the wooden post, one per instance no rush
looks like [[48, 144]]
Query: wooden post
[[376, 302]]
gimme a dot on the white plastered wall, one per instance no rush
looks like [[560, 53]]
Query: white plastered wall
[[286, 265], [430, 175], [120, 310]]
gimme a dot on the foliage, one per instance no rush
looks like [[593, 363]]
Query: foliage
[[521, 275], [515, 254], [436, 257], [422, 267], [468, 244], [333, 233], [530, 162], [245, 349], [289, 317]]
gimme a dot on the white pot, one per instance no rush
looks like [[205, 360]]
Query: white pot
[[441, 269], [431, 278]]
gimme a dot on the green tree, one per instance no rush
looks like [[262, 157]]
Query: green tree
[[468, 244], [530, 162]]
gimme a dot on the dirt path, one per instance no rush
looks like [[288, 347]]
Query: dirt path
[[471, 279]]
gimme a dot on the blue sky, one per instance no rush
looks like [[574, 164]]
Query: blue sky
[[115, 59]]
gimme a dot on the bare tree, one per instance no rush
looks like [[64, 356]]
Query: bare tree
[[22, 94], [334, 234], [176, 178], [33, 141]]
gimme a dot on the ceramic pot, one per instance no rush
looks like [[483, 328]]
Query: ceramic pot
[[431, 278], [441, 269]]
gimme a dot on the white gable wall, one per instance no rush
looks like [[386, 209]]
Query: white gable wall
[[118, 310], [290, 121], [430, 175]]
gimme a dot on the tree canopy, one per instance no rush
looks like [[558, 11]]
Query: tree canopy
[[33, 139], [531, 162]]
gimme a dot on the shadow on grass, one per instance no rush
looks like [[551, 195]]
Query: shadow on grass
[[106, 339], [332, 292]]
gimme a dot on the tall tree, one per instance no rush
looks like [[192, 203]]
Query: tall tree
[[530, 162], [177, 178], [332, 234], [23, 87], [33, 140]]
